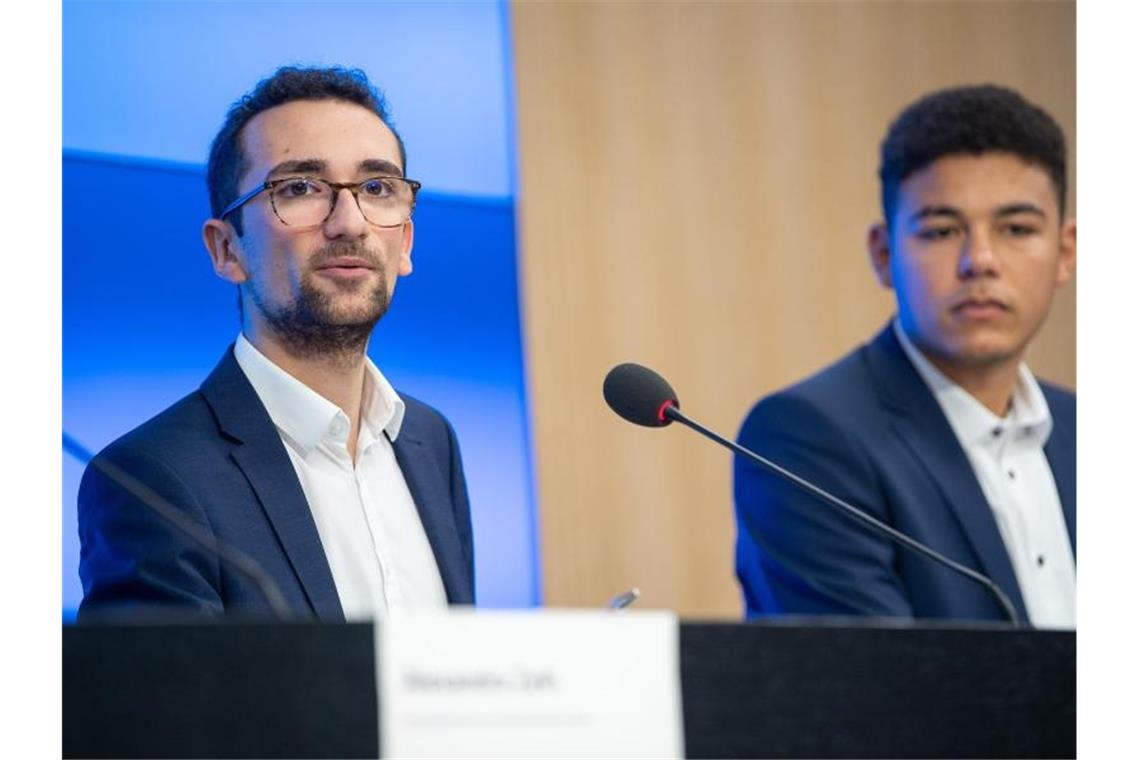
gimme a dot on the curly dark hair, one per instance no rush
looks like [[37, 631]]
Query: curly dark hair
[[971, 120], [289, 83]]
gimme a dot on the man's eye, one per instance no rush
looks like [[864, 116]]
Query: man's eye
[[377, 188], [936, 233], [1020, 230], [298, 188]]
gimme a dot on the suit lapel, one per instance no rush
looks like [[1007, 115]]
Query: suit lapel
[[433, 503], [921, 424], [1060, 451], [265, 463]]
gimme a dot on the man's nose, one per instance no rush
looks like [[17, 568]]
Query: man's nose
[[977, 257], [346, 219]]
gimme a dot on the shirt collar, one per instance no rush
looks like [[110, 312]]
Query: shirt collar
[[307, 417], [1028, 417], [383, 408]]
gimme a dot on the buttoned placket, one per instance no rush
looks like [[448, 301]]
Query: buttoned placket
[[365, 443], [998, 447], [1010, 446], [1038, 561]]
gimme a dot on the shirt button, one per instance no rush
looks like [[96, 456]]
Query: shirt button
[[996, 432], [337, 427], [1040, 560], [1012, 475]]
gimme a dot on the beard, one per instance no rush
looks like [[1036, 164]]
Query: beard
[[316, 323]]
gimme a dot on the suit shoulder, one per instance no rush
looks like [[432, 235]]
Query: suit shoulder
[[180, 428], [421, 411], [1061, 400], [176, 454], [841, 392], [424, 420], [1062, 406]]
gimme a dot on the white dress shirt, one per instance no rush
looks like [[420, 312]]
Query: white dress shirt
[[1008, 459], [376, 547]]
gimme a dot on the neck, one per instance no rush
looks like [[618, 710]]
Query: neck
[[337, 375], [991, 384]]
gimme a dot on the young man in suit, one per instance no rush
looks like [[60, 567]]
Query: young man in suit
[[936, 426], [296, 450]]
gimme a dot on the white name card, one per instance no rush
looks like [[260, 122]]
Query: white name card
[[538, 683]]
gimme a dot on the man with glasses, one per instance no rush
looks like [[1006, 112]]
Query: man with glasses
[[936, 426], [295, 451]]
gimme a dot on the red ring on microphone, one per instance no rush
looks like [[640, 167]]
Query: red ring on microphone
[[661, 409]]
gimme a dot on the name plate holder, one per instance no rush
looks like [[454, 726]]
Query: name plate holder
[[562, 683]]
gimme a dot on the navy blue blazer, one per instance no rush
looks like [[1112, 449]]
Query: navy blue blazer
[[870, 431], [217, 456]]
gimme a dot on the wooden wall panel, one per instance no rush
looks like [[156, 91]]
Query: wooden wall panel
[[696, 180]]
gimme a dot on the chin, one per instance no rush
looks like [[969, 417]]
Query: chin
[[985, 353], [352, 317], [348, 309]]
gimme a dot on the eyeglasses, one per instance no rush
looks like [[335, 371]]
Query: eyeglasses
[[308, 201]]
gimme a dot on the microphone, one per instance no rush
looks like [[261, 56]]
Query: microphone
[[643, 397], [232, 556], [639, 394]]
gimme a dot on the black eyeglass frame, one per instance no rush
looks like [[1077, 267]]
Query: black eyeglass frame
[[352, 187]]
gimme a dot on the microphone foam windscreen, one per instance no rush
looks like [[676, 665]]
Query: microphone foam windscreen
[[639, 394]]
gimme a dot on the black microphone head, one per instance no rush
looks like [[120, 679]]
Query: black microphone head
[[639, 394]]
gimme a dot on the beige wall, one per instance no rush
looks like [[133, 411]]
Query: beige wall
[[695, 183]]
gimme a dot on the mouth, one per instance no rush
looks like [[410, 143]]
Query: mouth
[[980, 308], [347, 267]]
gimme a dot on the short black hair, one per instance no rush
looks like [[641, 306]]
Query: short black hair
[[969, 120], [289, 83]]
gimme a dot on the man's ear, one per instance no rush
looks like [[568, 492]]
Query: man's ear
[[1067, 261], [879, 249], [405, 267], [225, 251]]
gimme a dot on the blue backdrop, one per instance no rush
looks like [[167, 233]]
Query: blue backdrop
[[145, 319]]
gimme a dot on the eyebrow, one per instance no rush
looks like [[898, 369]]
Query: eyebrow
[[928, 211], [381, 166], [319, 166], [1020, 208], [299, 166]]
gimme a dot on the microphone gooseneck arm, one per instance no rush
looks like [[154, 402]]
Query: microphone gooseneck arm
[[673, 413]]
